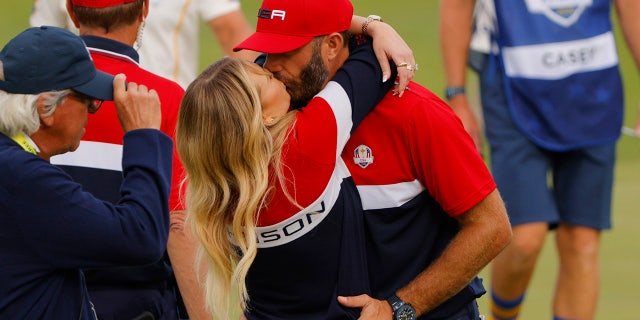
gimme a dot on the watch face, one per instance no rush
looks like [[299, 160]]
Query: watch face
[[406, 312]]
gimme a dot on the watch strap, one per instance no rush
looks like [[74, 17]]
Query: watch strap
[[396, 304], [453, 91]]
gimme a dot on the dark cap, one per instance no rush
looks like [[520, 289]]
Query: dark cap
[[48, 58]]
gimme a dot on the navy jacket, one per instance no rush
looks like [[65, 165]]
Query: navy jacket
[[50, 228]]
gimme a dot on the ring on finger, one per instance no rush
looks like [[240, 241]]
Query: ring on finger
[[408, 66]]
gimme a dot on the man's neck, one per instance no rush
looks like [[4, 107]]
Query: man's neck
[[337, 62], [40, 140], [126, 35]]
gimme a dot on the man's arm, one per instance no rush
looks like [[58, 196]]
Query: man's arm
[[456, 18], [182, 248], [387, 45], [628, 11], [231, 29], [484, 232]]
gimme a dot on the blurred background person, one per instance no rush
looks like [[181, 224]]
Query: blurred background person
[[552, 100]]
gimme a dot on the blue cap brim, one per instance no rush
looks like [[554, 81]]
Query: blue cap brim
[[100, 87]]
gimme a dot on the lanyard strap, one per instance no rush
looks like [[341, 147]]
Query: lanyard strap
[[25, 143]]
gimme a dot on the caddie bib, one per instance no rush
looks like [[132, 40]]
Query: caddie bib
[[560, 63]]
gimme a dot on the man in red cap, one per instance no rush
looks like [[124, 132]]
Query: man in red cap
[[433, 215], [110, 28]]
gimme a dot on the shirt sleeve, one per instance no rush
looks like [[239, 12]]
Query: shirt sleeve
[[354, 91], [51, 13], [211, 9], [70, 228], [446, 159], [361, 78], [170, 109]]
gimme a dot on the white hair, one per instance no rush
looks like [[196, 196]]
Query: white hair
[[19, 112]]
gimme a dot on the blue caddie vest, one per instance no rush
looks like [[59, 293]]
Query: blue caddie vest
[[560, 63]]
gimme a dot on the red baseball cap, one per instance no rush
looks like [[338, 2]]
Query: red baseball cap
[[99, 3], [286, 25]]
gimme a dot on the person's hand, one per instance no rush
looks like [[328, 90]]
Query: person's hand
[[370, 308], [460, 105], [388, 45], [137, 106]]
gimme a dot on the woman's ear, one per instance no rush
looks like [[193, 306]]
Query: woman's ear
[[46, 121], [268, 120]]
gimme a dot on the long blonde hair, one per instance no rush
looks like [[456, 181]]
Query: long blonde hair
[[227, 151]]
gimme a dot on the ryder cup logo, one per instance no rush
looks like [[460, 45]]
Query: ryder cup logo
[[562, 12], [362, 156]]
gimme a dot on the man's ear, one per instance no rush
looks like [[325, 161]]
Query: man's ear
[[46, 121], [72, 14], [333, 44], [145, 9]]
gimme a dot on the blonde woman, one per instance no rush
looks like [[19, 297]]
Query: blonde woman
[[268, 196]]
